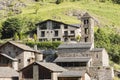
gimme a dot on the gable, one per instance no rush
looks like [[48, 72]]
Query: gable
[[10, 50]]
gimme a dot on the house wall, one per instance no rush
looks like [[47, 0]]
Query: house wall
[[73, 52], [50, 32], [54, 75], [105, 58], [97, 58], [28, 58]]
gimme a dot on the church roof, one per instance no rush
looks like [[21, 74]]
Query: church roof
[[72, 59], [85, 45], [72, 74], [51, 66]]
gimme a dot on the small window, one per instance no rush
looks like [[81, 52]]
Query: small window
[[86, 39], [19, 60], [65, 39], [56, 33], [72, 32], [65, 32], [86, 31], [65, 27], [86, 21], [42, 33]]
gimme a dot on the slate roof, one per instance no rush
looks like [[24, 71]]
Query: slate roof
[[5, 55], [83, 45], [21, 46], [72, 59], [72, 74], [97, 49], [86, 15], [57, 22], [51, 66], [7, 72]]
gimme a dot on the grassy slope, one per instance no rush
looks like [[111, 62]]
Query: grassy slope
[[106, 13]]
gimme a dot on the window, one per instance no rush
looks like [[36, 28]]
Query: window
[[43, 26], [42, 33], [86, 30], [56, 25], [65, 27], [56, 33], [86, 21], [72, 32], [86, 39], [19, 60], [65, 39], [65, 32]]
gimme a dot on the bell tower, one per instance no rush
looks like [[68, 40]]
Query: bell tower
[[87, 28]]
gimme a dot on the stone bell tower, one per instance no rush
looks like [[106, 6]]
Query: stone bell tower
[[87, 28]]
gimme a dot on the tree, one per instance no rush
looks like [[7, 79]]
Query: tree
[[10, 27]]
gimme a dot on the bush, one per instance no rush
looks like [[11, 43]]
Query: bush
[[45, 45]]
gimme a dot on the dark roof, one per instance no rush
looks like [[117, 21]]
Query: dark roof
[[97, 49], [7, 72], [82, 45], [86, 15], [21, 46], [72, 74], [5, 55], [57, 22], [72, 59], [50, 66]]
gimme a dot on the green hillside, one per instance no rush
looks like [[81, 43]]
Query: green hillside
[[106, 13]]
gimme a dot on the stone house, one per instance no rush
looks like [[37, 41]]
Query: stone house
[[83, 56], [40, 71], [7, 73], [51, 30], [19, 54]]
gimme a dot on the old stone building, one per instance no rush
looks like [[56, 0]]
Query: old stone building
[[83, 56], [41, 71], [17, 55], [51, 30]]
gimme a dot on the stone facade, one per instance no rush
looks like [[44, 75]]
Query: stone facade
[[99, 68], [24, 57], [51, 30]]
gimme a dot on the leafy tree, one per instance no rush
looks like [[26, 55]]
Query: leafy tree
[[10, 27]]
